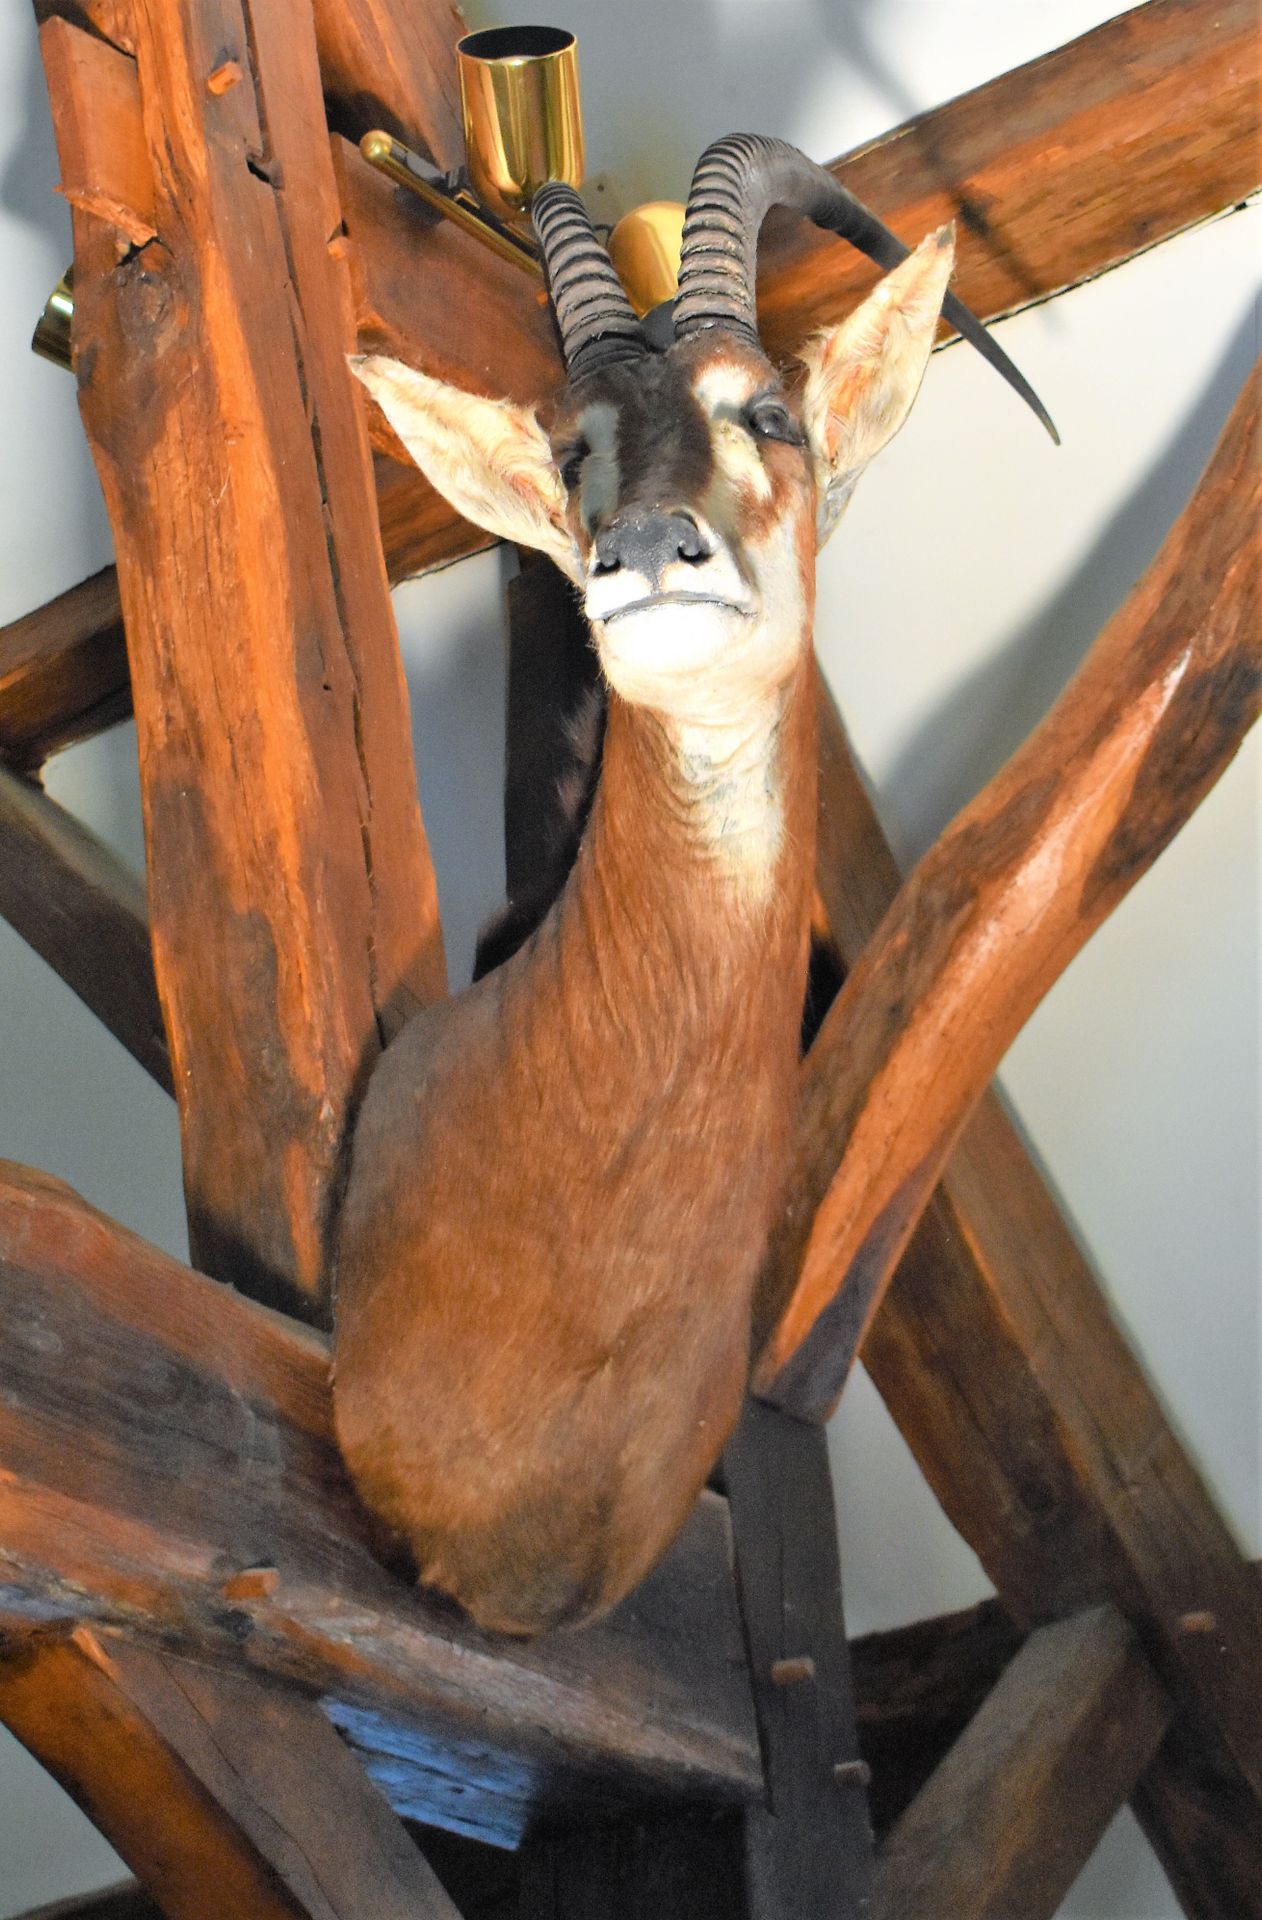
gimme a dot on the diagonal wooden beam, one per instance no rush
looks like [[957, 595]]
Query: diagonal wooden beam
[[226, 1795], [84, 913], [997, 909], [1054, 172], [1018, 1805], [292, 901], [63, 672], [171, 1471]]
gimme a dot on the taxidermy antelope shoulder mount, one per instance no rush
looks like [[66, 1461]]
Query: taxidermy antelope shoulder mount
[[563, 1181]]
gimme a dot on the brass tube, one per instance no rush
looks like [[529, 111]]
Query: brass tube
[[391, 157], [51, 338], [522, 118]]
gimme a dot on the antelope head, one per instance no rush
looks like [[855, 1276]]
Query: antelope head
[[685, 492]]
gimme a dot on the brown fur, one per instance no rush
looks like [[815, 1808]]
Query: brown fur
[[563, 1181]]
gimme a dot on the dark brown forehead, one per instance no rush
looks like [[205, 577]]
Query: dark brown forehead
[[661, 386]]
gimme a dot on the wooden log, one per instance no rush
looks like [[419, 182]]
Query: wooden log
[[1015, 1810], [63, 672], [1204, 1827], [996, 910], [225, 1795], [171, 1470], [808, 1851], [104, 158], [292, 902], [1053, 173], [84, 913]]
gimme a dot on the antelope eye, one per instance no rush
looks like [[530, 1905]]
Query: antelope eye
[[770, 419], [570, 464]]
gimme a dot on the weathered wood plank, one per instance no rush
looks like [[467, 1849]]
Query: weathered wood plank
[[996, 910], [63, 668], [394, 67], [171, 1470], [1054, 172], [292, 903], [808, 1852], [1014, 1811], [84, 913], [226, 1795], [63, 672], [1205, 1829]]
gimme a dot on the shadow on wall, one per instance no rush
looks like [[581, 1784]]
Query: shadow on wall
[[988, 716], [452, 640]]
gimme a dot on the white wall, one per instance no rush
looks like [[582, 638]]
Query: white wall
[[973, 571]]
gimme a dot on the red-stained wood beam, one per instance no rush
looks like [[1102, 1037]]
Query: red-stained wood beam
[[392, 66], [171, 1471], [998, 907], [226, 1795], [292, 903]]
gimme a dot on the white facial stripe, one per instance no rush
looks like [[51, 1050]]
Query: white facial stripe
[[602, 475], [724, 384]]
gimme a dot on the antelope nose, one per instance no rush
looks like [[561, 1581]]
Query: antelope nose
[[649, 543]]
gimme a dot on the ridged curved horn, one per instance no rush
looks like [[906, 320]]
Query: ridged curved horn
[[598, 326], [737, 181]]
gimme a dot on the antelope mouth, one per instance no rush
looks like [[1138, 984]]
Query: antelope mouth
[[651, 601]]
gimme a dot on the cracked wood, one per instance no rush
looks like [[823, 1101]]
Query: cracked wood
[[292, 901]]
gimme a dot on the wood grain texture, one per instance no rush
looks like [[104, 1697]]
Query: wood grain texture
[[808, 1852], [63, 672], [63, 668], [105, 166], [84, 913], [170, 1469], [996, 910], [226, 1795], [391, 66], [292, 902], [1014, 1811], [1053, 173]]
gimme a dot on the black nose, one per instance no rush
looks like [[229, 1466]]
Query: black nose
[[646, 542]]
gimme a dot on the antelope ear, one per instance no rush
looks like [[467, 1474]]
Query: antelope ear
[[489, 458], [862, 376]]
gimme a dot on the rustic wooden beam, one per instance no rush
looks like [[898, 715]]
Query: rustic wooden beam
[[1054, 172], [394, 67], [784, 1530], [63, 668], [84, 913], [997, 1356], [226, 1795], [292, 902], [171, 1470], [63, 672], [1018, 1805], [996, 910]]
